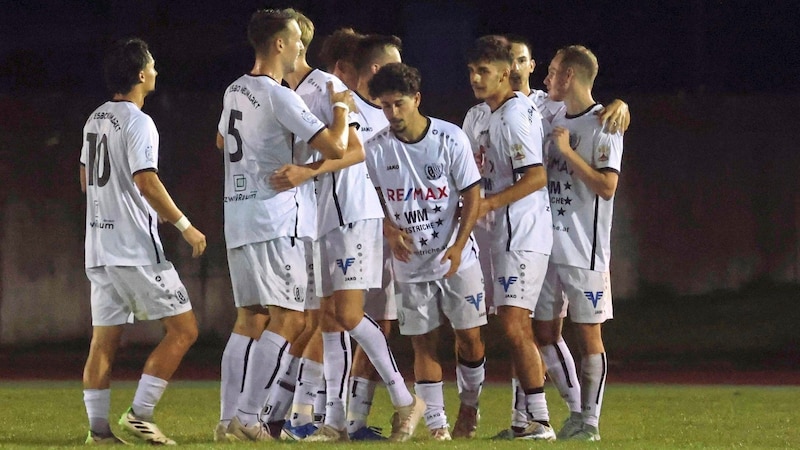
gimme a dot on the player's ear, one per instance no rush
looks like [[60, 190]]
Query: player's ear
[[417, 99]]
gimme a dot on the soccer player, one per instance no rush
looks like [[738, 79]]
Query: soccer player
[[264, 227], [558, 359], [583, 164], [350, 230], [309, 83], [125, 260], [507, 139], [422, 167]]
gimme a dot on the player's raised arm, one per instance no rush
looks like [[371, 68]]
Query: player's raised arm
[[332, 142], [602, 182]]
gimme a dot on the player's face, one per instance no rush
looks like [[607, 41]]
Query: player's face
[[487, 78], [149, 74], [293, 46], [522, 67], [556, 80], [398, 109]]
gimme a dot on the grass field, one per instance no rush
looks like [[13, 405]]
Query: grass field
[[51, 414]]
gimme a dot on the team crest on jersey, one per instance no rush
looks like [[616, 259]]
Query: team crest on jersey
[[308, 117], [434, 171], [603, 151], [574, 141], [516, 152]]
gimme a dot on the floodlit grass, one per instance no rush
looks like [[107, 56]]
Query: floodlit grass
[[51, 414]]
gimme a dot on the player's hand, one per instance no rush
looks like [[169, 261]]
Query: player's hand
[[452, 254], [480, 158], [560, 137], [196, 239], [290, 176], [345, 97], [399, 241], [615, 117]]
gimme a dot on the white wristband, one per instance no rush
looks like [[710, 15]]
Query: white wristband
[[183, 224], [342, 105]]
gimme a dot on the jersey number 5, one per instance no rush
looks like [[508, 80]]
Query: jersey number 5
[[235, 115], [98, 151]]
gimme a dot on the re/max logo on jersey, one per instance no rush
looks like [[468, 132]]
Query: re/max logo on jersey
[[475, 300], [345, 264], [507, 282], [593, 297], [406, 194]]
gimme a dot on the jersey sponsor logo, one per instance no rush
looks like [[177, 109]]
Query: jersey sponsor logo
[[365, 129], [593, 297], [434, 171], [603, 151], [393, 167], [406, 194], [345, 264], [148, 153], [308, 117], [416, 215], [507, 282], [101, 225], [475, 300]]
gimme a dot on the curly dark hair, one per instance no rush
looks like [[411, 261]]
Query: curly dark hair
[[395, 77]]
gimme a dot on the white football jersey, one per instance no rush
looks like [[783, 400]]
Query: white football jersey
[[548, 107], [421, 184], [259, 121], [119, 140], [581, 218], [346, 196], [511, 138], [373, 120]]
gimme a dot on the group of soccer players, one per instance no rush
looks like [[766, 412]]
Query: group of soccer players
[[346, 209]]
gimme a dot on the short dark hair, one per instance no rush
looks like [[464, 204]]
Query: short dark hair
[[339, 46], [122, 64], [395, 77], [265, 24], [371, 47], [519, 39], [490, 48]]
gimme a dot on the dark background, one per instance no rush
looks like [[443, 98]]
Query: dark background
[[665, 46], [707, 226]]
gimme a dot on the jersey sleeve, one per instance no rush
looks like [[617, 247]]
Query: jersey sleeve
[[607, 153], [371, 149], [521, 137], [469, 128], [293, 113], [463, 169], [142, 143]]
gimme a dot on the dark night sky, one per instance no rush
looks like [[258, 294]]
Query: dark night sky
[[665, 46]]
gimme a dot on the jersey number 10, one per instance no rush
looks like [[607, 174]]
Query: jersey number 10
[[98, 151]]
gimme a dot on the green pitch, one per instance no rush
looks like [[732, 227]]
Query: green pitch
[[51, 414]]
